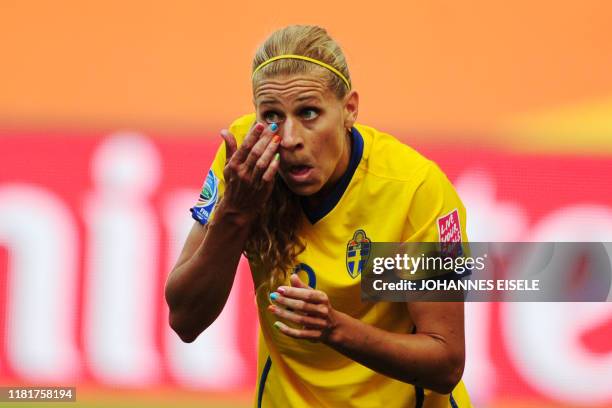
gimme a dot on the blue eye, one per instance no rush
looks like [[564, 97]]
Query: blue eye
[[271, 117]]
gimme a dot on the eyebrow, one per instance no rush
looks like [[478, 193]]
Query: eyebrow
[[270, 101], [308, 97]]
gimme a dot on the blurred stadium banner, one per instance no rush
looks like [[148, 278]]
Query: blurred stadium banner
[[90, 227]]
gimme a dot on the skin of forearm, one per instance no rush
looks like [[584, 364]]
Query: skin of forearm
[[199, 288], [424, 360]]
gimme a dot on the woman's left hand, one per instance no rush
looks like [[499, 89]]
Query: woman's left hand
[[305, 306]]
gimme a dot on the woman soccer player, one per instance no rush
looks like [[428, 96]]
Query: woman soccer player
[[303, 190]]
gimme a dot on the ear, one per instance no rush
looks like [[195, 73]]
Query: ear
[[351, 109]]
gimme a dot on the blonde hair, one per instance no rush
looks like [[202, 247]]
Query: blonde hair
[[274, 242], [307, 41]]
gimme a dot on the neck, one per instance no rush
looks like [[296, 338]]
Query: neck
[[341, 168]]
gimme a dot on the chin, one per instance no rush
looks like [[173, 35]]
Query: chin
[[304, 189]]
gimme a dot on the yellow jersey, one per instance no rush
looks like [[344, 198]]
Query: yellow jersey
[[389, 193]]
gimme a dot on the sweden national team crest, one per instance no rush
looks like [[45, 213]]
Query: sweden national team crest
[[357, 253]]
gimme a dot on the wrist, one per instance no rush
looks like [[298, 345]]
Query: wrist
[[225, 213], [337, 333]]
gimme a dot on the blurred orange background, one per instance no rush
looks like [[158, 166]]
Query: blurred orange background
[[476, 70]]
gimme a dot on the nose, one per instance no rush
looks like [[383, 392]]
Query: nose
[[291, 135]]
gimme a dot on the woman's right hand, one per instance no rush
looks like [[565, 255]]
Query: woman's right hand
[[250, 170]]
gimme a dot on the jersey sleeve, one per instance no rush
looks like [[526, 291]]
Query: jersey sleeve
[[436, 212], [212, 189], [214, 184]]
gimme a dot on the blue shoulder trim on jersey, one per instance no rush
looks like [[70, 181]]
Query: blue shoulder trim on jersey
[[328, 204], [420, 397], [453, 402], [262, 381]]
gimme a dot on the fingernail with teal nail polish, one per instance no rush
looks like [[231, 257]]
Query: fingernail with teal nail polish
[[273, 127], [273, 295]]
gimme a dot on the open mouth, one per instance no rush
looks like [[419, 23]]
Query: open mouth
[[299, 173], [299, 170]]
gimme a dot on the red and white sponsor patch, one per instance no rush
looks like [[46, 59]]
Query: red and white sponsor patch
[[449, 228]]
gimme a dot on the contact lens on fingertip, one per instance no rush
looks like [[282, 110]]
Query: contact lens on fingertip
[[273, 127]]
